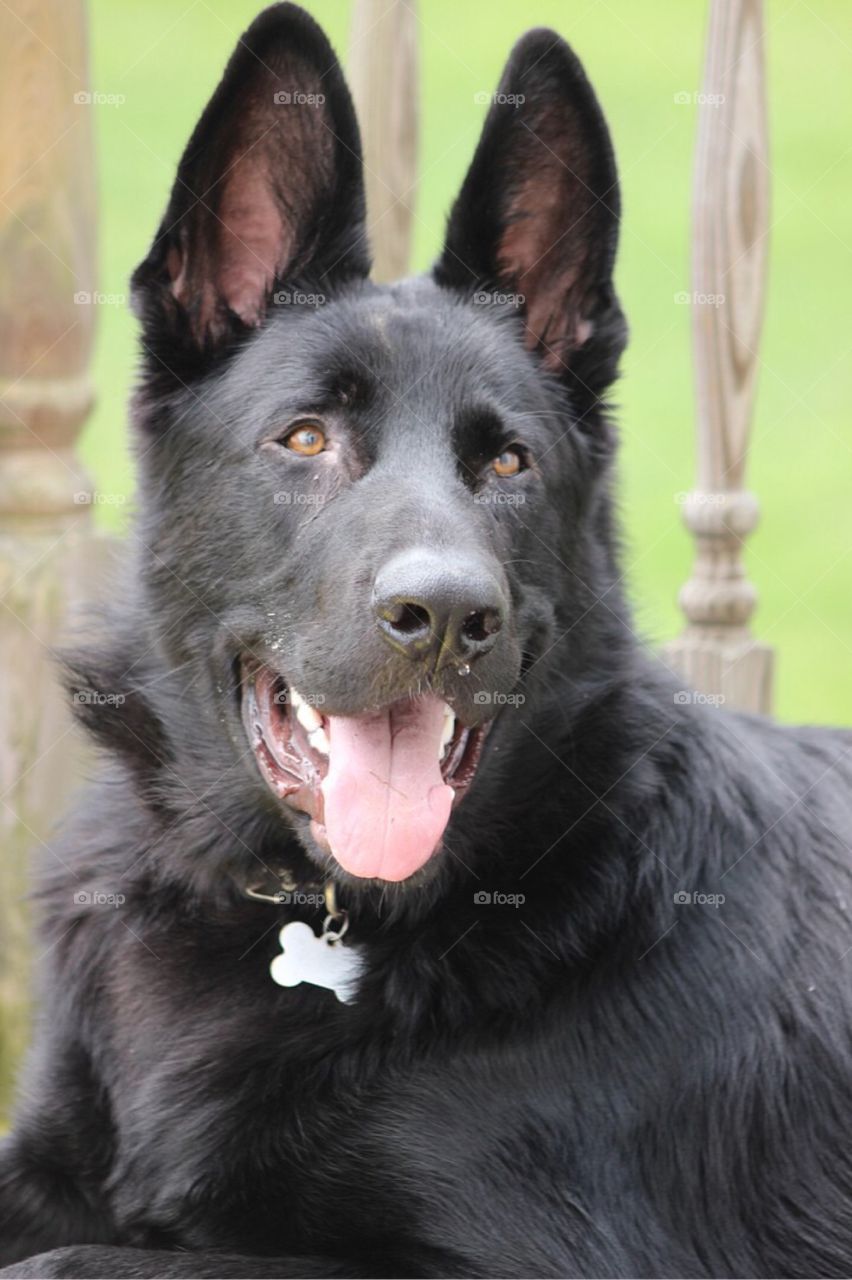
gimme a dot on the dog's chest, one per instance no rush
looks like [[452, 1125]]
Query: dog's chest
[[243, 1097], [253, 1116]]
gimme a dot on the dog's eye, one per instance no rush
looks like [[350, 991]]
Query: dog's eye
[[307, 439], [509, 463]]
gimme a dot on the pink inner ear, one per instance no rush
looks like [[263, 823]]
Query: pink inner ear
[[529, 256], [253, 244], [270, 161], [246, 246], [545, 251]]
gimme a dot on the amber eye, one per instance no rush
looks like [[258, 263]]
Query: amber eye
[[508, 464], [308, 440]]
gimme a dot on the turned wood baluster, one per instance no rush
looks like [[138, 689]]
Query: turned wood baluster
[[47, 243], [383, 75], [717, 654]]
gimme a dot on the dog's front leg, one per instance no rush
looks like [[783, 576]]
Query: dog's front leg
[[104, 1262], [41, 1203], [93, 1262]]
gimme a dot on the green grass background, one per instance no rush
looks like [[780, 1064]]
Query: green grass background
[[166, 57]]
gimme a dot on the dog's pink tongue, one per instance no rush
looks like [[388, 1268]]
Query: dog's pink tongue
[[386, 805]]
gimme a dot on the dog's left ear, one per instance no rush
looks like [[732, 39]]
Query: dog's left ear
[[537, 215], [269, 189]]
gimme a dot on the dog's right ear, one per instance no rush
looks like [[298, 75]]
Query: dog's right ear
[[269, 190]]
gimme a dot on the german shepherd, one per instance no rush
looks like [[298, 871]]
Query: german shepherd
[[416, 924]]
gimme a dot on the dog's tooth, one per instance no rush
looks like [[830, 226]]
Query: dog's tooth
[[296, 699], [446, 733], [319, 740], [308, 716]]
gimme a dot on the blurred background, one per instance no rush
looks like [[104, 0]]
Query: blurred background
[[159, 62]]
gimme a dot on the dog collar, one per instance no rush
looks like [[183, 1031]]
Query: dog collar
[[317, 959], [287, 885]]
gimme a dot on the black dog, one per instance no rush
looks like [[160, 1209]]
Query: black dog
[[592, 1012]]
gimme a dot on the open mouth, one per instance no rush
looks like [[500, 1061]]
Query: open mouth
[[379, 787]]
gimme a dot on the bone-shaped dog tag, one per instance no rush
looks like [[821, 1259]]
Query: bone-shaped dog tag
[[320, 960]]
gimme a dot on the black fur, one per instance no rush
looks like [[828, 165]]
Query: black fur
[[600, 1081]]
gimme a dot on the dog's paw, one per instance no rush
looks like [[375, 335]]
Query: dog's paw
[[80, 1261]]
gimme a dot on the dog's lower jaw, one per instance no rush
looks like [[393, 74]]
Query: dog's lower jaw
[[378, 788]]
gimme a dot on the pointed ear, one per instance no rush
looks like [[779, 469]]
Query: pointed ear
[[269, 189], [537, 215]]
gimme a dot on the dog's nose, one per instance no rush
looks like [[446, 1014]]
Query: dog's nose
[[429, 604]]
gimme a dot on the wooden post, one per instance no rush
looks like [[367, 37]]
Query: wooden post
[[717, 654], [383, 75], [47, 244]]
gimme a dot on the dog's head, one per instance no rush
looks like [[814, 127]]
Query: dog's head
[[374, 517]]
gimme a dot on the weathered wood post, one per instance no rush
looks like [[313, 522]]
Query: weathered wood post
[[717, 653], [47, 243], [383, 75]]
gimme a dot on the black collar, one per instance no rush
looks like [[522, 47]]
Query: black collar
[[280, 886]]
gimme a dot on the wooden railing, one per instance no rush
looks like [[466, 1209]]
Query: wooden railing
[[47, 242], [47, 252], [717, 653], [383, 77]]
